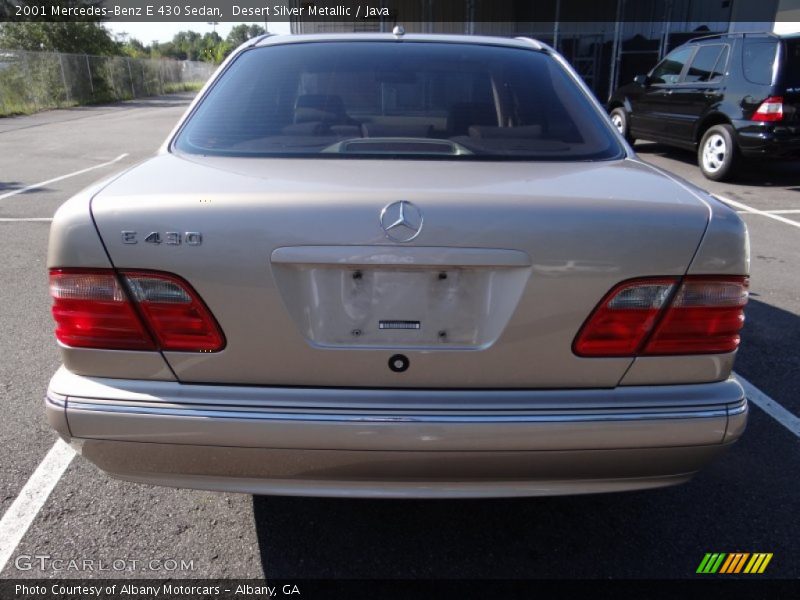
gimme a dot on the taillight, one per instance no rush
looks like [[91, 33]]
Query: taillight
[[622, 320], [701, 315], [173, 310], [142, 311], [91, 310], [705, 316], [770, 109]]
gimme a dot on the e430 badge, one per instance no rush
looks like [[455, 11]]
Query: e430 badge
[[170, 238]]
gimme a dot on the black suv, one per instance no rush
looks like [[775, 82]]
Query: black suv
[[725, 96]]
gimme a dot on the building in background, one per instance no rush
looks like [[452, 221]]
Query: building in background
[[613, 41]]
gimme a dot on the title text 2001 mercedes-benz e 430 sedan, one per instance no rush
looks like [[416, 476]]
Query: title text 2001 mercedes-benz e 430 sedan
[[397, 265]]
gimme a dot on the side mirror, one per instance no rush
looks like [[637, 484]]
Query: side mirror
[[642, 80]]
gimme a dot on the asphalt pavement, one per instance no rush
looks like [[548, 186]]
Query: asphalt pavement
[[748, 501]]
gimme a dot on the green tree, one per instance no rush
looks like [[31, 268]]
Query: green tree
[[190, 45], [136, 49], [56, 33], [222, 51], [241, 33], [208, 45], [75, 37]]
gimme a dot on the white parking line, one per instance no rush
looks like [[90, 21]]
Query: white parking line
[[755, 211], [67, 176], [28, 503], [791, 211], [769, 406], [27, 220]]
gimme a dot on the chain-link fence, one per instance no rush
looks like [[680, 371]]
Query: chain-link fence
[[31, 81]]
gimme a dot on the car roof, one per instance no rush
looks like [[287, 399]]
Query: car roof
[[518, 42], [747, 34]]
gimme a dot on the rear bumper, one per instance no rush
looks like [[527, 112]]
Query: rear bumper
[[767, 139], [396, 443]]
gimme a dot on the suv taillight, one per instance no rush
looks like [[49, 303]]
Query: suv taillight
[[770, 109], [698, 315], [135, 310]]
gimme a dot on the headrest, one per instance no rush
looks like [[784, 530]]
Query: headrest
[[323, 102], [485, 132]]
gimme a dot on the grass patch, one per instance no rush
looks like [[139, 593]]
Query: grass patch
[[17, 108], [189, 86]]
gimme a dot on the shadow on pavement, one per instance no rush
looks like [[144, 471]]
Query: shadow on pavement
[[12, 186], [738, 503], [761, 173], [768, 356]]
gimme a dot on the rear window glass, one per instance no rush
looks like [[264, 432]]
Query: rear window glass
[[385, 99], [758, 58], [707, 64], [791, 66]]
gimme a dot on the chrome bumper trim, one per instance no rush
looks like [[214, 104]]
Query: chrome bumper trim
[[667, 398], [572, 416], [56, 400], [388, 420], [737, 409]]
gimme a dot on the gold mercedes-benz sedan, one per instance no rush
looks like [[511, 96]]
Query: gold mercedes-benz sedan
[[397, 266]]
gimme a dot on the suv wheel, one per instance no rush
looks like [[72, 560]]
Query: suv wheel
[[717, 153], [619, 118]]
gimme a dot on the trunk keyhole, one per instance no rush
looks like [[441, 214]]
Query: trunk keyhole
[[398, 363]]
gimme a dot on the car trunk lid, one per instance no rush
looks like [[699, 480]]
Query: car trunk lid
[[293, 259]]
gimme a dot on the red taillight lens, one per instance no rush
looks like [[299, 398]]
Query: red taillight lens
[[622, 320], [92, 310], [704, 316], [176, 315], [770, 109]]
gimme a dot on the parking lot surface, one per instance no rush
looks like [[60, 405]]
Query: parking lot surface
[[745, 502]]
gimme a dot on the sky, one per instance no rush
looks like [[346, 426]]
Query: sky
[[785, 27], [164, 32]]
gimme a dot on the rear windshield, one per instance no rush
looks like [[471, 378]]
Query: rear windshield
[[390, 99]]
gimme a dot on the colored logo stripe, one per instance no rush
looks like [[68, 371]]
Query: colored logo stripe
[[721, 562], [758, 563], [734, 563], [731, 560], [711, 562]]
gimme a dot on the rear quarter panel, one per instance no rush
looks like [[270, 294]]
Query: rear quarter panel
[[725, 250], [75, 242]]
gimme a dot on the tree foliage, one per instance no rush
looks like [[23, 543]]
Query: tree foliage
[[54, 33], [243, 32], [210, 47], [190, 45], [63, 36], [92, 38]]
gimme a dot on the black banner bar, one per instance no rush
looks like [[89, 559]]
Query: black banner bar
[[750, 587], [531, 12]]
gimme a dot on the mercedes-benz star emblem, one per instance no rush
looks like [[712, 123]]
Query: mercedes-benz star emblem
[[401, 221]]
